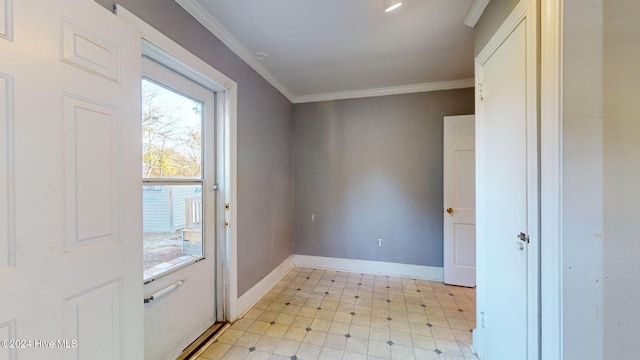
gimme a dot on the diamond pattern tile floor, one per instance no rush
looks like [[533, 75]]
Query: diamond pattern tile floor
[[314, 314]]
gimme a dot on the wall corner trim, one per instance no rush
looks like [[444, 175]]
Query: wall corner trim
[[196, 10], [476, 10], [420, 272], [253, 295]]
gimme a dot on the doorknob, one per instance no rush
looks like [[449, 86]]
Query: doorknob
[[450, 210]]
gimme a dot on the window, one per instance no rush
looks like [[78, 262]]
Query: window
[[175, 117]]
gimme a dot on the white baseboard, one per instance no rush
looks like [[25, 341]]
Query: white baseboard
[[372, 267], [253, 295]]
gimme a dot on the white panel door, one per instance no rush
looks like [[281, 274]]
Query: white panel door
[[459, 197], [70, 224], [507, 188]]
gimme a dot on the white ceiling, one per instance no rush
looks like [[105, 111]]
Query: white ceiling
[[317, 48]]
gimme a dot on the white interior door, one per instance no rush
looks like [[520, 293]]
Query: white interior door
[[459, 197], [70, 259], [507, 192]]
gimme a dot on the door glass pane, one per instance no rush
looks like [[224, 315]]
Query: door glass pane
[[172, 226], [171, 133]]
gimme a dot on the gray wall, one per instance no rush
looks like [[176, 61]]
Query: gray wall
[[265, 134], [622, 171], [372, 168], [494, 15], [582, 172]]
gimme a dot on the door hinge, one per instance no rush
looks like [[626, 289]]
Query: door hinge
[[226, 206], [524, 237], [480, 93]]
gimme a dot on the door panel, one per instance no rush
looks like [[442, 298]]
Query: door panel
[[459, 201], [70, 262], [504, 127]]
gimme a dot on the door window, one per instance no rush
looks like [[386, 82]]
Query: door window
[[174, 112]]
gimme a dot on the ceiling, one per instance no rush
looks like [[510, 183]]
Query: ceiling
[[326, 49]]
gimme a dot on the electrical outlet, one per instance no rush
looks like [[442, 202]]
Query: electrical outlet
[[379, 242]]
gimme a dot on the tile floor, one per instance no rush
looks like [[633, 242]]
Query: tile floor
[[316, 314]]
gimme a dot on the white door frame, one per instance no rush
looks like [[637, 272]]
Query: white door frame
[[551, 178], [526, 9], [163, 50]]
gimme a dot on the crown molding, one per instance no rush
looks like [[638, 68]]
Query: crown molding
[[395, 90], [210, 23], [476, 10]]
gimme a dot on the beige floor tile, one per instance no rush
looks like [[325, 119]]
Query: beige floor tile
[[449, 347], [287, 348], [267, 344], [399, 325], [230, 336], [359, 331], [424, 316], [354, 356], [216, 351], [335, 341], [442, 333], [424, 342], [330, 354], [253, 313], [401, 338], [259, 327], [423, 354], [296, 334], [402, 352], [258, 355], [379, 349], [277, 330], [236, 353], [379, 334], [363, 320], [242, 324], [285, 319], [325, 315], [308, 352], [320, 325], [302, 322], [248, 340], [279, 357], [339, 328], [315, 337], [358, 345]]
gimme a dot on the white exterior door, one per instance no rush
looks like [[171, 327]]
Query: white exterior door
[[179, 289], [70, 225], [507, 200], [459, 201]]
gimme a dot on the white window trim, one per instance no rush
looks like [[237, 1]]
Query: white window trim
[[160, 48]]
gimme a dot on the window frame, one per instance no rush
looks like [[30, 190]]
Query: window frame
[[173, 79]]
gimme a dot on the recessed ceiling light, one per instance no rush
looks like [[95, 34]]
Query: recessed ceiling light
[[390, 5], [260, 56]]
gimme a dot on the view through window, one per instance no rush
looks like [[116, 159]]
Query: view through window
[[172, 178]]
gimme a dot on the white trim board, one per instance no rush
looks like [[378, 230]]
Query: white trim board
[[395, 90], [475, 12], [253, 295], [551, 178], [196, 10], [430, 273]]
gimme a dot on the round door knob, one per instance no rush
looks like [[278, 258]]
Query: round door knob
[[450, 210]]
